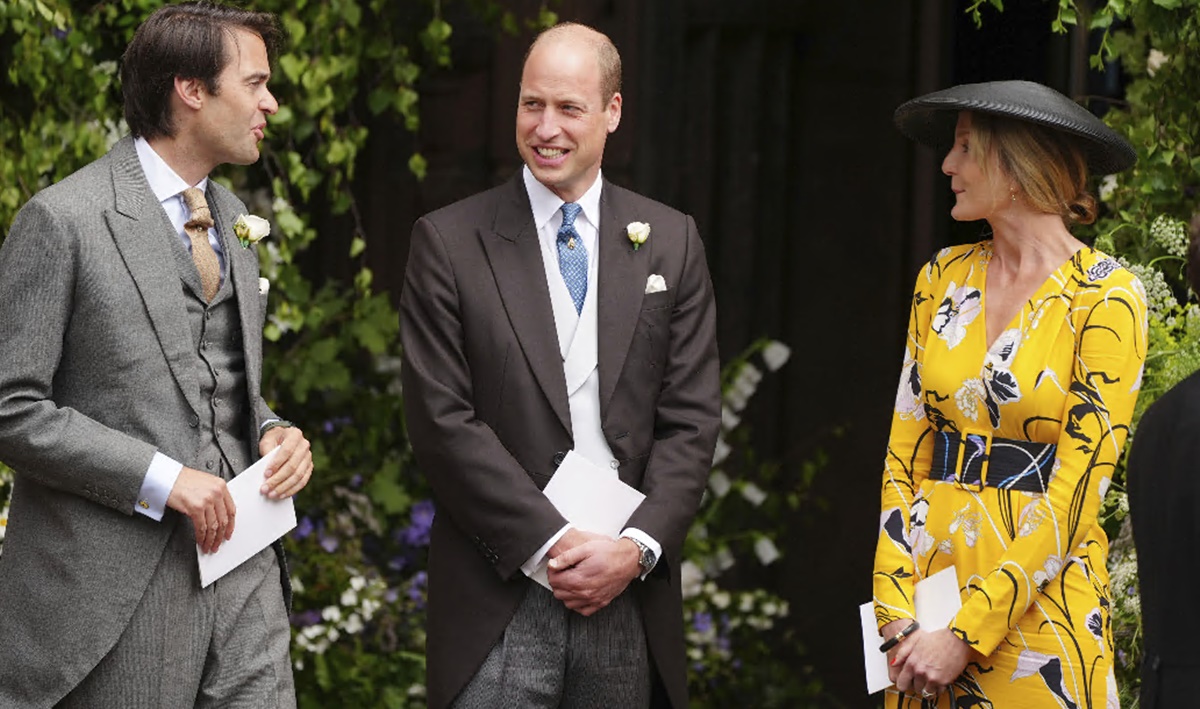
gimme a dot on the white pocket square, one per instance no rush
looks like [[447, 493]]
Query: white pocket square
[[264, 286], [655, 284]]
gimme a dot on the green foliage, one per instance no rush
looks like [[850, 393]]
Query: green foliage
[[1143, 223], [737, 647]]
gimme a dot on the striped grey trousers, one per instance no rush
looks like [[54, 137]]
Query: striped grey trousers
[[551, 657]]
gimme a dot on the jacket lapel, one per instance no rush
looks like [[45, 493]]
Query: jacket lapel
[[622, 277], [243, 276], [516, 260], [139, 227]]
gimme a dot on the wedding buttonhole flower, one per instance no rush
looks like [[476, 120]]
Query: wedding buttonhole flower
[[638, 233], [250, 229]]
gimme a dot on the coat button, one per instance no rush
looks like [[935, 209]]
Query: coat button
[[559, 457], [195, 421], [614, 464]]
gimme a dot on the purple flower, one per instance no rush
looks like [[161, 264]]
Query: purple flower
[[417, 533], [702, 622], [327, 427], [306, 618], [397, 563], [1122, 658], [328, 543], [416, 588], [303, 528], [391, 595], [61, 32], [356, 481]]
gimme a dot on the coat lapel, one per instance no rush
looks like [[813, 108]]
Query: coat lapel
[[243, 276], [139, 227], [516, 260], [622, 277]]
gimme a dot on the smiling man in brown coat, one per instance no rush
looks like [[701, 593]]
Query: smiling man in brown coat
[[535, 323]]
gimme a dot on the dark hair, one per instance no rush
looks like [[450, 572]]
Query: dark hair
[[188, 41]]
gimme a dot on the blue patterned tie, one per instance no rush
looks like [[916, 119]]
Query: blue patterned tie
[[572, 256]]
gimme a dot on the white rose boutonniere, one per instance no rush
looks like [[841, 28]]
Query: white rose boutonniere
[[638, 233], [250, 229]]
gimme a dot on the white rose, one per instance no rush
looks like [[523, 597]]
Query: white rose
[[766, 551], [250, 229], [638, 233], [1154, 61]]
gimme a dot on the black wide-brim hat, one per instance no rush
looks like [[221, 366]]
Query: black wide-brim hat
[[930, 119]]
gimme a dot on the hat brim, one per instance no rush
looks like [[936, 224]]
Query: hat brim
[[930, 119]]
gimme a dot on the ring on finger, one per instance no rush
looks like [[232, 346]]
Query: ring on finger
[[928, 694]]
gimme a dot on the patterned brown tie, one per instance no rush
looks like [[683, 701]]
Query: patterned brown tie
[[203, 255]]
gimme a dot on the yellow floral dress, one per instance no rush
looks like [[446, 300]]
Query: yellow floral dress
[[1031, 564]]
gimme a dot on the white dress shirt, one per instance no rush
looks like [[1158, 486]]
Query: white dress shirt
[[585, 409]]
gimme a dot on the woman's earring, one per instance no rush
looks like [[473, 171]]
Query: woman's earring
[[1014, 195]]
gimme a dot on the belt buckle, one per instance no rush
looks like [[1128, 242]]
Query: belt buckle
[[964, 441]]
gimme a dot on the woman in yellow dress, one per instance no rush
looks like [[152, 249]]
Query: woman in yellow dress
[[1022, 366]]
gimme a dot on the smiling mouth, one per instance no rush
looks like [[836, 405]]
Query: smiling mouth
[[550, 153]]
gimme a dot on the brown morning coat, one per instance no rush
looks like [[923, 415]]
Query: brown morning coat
[[486, 406]]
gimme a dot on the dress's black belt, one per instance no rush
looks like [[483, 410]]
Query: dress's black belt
[[1003, 463]]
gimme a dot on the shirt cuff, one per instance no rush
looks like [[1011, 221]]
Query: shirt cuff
[[635, 533], [156, 486], [531, 565]]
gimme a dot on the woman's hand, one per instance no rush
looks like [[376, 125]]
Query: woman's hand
[[927, 662]]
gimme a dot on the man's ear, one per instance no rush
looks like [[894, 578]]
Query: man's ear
[[191, 92], [614, 112]]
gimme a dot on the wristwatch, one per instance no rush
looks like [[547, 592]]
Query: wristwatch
[[646, 557]]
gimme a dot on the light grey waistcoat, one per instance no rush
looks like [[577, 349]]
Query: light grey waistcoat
[[220, 367]]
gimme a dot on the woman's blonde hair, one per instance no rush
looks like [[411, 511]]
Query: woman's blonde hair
[[1048, 166]]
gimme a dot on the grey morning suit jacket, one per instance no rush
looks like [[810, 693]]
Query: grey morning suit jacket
[[486, 406], [94, 342]]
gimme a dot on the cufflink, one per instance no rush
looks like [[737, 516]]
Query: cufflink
[[143, 504]]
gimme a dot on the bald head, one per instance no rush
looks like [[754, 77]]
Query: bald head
[[607, 57]]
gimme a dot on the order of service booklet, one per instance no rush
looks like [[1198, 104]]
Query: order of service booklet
[[936, 600]]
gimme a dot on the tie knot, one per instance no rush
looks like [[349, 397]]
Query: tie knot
[[570, 210], [197, 206]]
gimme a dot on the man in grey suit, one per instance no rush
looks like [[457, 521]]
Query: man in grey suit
[[535, 321], [130, 337]]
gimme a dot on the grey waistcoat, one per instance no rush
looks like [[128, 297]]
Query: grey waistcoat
[[219, 362]]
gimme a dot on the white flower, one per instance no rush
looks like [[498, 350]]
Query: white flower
[[729, 420], [1107, 186], [1048, 572], [691, 579], [349, 597], [724, 560], [332, 614], [766, 551], [775, 355], [250, 229], [1154, 61], [722, 451], [638, 233], [357, 583], [721, 600], [719, 483], [753, 494], [909, 393], [353, 624], [958, 309]]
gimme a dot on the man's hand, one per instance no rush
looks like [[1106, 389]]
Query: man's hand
[[206, 501], [589, 576], [292, 467]]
